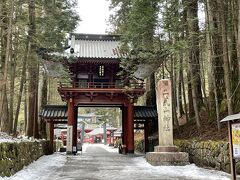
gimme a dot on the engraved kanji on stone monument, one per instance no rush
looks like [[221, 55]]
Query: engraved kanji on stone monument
[[164, 106], [165, 153]]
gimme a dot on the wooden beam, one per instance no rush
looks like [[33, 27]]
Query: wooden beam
[[138, 127], [57, 121]]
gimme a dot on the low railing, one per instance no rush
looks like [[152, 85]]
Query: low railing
[[101, 85]]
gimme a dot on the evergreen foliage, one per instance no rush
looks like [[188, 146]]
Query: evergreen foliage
[[28, 29], [199, 55]]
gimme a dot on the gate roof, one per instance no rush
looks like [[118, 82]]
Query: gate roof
[[100, 46], [56, 112]]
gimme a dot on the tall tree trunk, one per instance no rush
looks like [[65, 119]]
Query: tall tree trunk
[[36, 123], [193, 33], [181, 70], [32, 129], [4, 113], [151, 95], [179, 87], [2, 50], [173, 80], [184, 98], [231, 27], [190, 97], [192, 9], [216, 39], [238, 38], [225, 57], [210, 29], [25, 108], [12, 89], [235, 11], [194, 96], [189, 85], [203, 80], [22, 82], [43, 131]]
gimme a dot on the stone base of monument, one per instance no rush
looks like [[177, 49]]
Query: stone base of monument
[[167, 156]]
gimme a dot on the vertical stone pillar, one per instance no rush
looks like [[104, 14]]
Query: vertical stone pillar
[[70, 126], [166, 153], [130, 129], [164, 108], [105, 133], [82, 133], [111, 138], [119, 117]]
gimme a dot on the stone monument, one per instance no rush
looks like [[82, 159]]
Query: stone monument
[[166, 153]]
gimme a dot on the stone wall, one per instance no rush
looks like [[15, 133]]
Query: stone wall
[[214, 154], [14, 156]]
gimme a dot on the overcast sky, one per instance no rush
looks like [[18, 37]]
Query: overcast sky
[[94, 14]]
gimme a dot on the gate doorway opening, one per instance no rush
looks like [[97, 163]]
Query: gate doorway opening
[[99, 125]]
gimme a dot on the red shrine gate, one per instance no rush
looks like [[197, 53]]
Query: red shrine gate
[[128, 120], [93, 62], [145, 117]]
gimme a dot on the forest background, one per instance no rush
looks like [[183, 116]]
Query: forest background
[[162, 39]]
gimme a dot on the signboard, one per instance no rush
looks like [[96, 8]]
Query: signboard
[[69, 138], [236, 140]]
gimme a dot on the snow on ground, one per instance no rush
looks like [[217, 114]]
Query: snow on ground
[[46, 166], [108, 148], [4, 137], [186, 171], [40, 169]]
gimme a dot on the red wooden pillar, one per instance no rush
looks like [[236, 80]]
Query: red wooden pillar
[[125, 130], [70, 127], [75, 136], [146, 134], [130, 129], [51, 135]]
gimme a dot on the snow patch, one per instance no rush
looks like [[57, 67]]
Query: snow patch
[[4, 137], [108, 148], [40, 169], [188, 171]]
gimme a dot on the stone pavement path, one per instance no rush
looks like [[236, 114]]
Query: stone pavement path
[[96, 163]]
